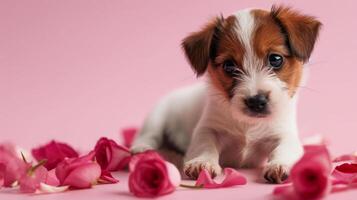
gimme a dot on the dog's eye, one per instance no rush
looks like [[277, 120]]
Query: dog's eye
[[229, 67], [275, 61]]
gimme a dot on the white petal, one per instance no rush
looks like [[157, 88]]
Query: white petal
[[52, 189]]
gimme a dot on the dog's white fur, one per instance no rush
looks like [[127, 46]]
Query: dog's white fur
[[214, 132]]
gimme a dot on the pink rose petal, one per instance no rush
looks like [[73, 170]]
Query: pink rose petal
[[128, 135], [107, 178], [232, 178], [84, 176], [345, 174], [54, 152], [346, 157], [78, 173]]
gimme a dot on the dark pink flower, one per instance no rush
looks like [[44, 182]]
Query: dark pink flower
[[12, 167], [79, 173], [111, 156], [232, 178], [54, 152], [310, 176], [128, 135], [151, 176]]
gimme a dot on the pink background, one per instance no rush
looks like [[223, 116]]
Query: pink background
[[78, 70]]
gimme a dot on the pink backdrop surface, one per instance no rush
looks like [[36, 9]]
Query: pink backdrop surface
[[77, 70]]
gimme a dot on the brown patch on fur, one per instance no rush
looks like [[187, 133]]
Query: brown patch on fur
[[229, 47], [271, 38], [300, 30], [200, 46]]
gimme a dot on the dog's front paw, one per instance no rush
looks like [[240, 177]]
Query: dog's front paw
[[139, 148], [276, 173], [193, 168]]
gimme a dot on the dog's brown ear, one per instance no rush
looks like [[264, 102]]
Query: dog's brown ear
[[200, 46], [301, 30]]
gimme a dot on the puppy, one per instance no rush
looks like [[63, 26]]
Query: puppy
[[245, 115]]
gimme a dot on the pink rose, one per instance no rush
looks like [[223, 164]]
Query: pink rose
[[11, 166], [54, 152], [151, 176], [310, 176], [111, 156], [79, 173]]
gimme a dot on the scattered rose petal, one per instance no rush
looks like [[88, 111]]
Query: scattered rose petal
[[128, 135], [44, 188], [107, 178], [151, 176], [232, 178], [78, 173], [111, 156], [345, 173], [54, 152], [346, 157], [310, 176]]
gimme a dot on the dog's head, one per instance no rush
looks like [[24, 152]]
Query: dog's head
[[254, 58]]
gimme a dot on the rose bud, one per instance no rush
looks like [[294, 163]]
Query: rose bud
[[54, 152], [151, 176], [11, 166], [78, 173], [111, 156]]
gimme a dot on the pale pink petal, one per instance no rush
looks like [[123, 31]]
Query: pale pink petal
[[52, 189], [84, 176], [232, 178]]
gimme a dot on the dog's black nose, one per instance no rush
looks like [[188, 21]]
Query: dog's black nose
[[257, 103]]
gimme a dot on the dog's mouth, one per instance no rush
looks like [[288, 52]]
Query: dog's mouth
[[254, 114]]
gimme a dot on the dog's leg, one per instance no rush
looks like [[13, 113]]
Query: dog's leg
[[203, 153], [282, 158], [151, 134]]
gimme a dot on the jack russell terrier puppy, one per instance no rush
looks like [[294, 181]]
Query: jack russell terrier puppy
[[245, 115]]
